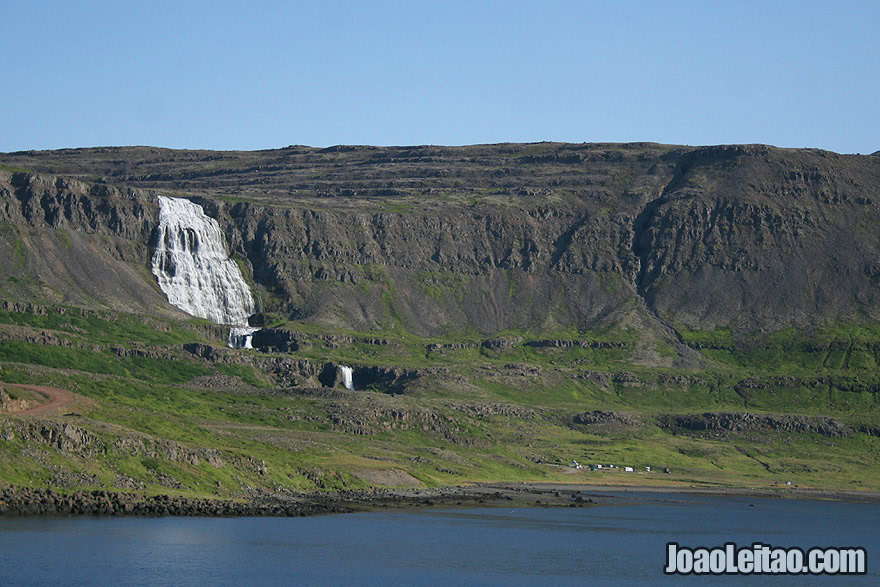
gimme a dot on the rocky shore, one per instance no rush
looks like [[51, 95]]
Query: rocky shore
[[22, 501], [46, 502], [19, 501]]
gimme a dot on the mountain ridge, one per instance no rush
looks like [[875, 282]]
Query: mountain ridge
[[745, 226], [502, 310]]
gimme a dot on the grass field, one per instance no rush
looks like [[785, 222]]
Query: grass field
[[155, 418]]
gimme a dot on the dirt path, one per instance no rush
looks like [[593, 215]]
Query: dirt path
[[58, 398]]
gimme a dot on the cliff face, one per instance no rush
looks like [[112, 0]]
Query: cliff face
[[71, 242], [490, 238], [763, 237], [484, 270]]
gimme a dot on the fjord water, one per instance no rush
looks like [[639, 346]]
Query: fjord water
[[623, 543], [195, 272]]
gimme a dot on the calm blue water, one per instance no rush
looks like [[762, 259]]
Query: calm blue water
[[624, 544]]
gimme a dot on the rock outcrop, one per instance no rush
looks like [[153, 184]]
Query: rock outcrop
[[739, 422]]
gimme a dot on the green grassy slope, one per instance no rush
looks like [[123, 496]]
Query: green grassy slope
[[153, 417]]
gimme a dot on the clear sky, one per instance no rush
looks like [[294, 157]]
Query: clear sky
[[251, 75]]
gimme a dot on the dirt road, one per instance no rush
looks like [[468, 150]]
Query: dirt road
[[58, 398]]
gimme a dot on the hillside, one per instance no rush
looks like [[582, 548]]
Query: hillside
[[732, 236], [504, 308]]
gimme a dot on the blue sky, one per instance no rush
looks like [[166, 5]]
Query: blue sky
[[250, 75]]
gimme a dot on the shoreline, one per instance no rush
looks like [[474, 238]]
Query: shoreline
[[781, 492], [35, 502]]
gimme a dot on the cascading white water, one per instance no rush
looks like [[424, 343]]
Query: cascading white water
[[241, 337], [195, 272], [347, 373]]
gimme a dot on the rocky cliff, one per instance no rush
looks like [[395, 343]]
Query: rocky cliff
[[74, 242], [431, 240]]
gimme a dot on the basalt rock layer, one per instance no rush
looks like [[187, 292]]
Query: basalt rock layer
[[445, 239]]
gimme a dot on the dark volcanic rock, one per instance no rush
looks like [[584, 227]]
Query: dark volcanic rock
[[733, 422], [286, 340], [387, 379], [501, 344], [204, 351], [601, 417], [277, 339], [489, 237], [45, 502], [568, 344]]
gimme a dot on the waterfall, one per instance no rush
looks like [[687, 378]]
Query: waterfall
[[195, 272], [240, 337], [346, 377]]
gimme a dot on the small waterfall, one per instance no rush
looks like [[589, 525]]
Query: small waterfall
[[240, 337], [196, 273], [347, 377]]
